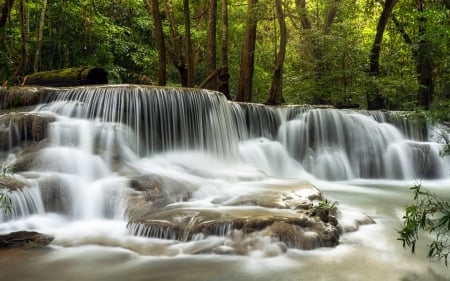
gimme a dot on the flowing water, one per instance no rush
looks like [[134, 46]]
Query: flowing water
[[200, 144]]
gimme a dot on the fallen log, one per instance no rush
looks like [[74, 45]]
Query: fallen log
[[68, 77]]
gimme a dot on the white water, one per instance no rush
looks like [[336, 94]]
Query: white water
[[90, 157]]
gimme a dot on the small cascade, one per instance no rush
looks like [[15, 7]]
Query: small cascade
[[340, 145], [411, 127], [24, 203], [255, 120], [163, 119]]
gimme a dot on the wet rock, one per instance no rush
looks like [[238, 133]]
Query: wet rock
[[27, 158], [24, 239], [153, 193], [12, 183], [281, 212], [18, 129], [55, 197], [13, 97]]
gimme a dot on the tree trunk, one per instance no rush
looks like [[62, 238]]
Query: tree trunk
[[248, 55], [422, 55], [23, 43], [374, 67], [276, 89], [424, 62], [68, 77], [161, 45], [6, 10], [176, 53], [224, 77], [40, 35], [188, 44], [375, 100], [301, 10], [211, 50], [331, 14]]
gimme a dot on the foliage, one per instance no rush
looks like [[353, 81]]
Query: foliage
[[326, 63], [429, 213], [325, 209], [5, 199]]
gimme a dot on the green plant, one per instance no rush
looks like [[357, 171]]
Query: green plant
[[325, 209], [5, 201], [5, 198], [7, 171], [431, 214]]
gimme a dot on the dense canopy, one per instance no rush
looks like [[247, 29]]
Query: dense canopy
[[372, 54]]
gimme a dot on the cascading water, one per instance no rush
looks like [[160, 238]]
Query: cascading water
[[117, 153]]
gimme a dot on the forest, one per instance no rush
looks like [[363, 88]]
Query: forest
[[368, 54]]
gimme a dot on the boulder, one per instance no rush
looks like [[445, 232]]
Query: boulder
[[282, 212], [24, 239], [14, 97], [18, 129]]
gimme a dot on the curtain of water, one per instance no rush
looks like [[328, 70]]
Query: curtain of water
[[161, 119], [330, 144]]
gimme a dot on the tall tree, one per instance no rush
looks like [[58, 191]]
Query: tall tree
[[424, 60], [276, 89], [6, 10], [188, 44], [211, 54], [212, 81], [374, 99], [176, 53], [244, 93], [314, 37], [23, 42], [160, 42], [39, 37], [331, 12], [422, 54], [224, 77]]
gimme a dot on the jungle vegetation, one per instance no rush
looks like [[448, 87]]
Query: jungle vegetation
[[391, 54]]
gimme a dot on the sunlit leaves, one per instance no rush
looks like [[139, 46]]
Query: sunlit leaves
[[431, 214]]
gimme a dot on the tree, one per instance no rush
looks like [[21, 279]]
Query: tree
[[424, 60], [211, 54], [224, 77], [7, 7], [376, 100], [188, 44], [39, 38], [276, 89], [248, 55], [153, 6]]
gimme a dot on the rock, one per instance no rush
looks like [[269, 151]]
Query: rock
[[281, 212], [55, 197], [18, 129], [14, 97], [12, 183], [26, 159], [24, 239]]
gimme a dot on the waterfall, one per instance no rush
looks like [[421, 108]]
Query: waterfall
[[336, 144], [24, 202], [162, 119], [119, 173], [135, 121], [95, 131]]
